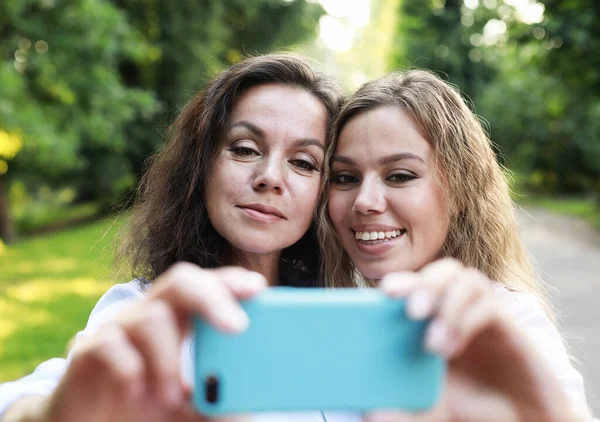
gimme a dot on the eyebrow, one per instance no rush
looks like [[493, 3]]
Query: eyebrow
[[382, 161], [252, 128], [302, 142], [306, 142]]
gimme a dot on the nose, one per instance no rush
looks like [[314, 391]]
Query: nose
[[269, 175], [370, 198]]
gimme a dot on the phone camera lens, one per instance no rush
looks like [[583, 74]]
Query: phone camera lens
[[211, 388]]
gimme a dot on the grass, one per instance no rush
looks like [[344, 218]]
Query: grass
[[580, 207], [48, 286], [583, 207]]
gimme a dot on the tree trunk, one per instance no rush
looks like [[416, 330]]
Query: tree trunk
[[6, 229]]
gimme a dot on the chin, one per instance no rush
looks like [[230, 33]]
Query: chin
[[258, 245], [257, 249], [376, 271], [371, 272]]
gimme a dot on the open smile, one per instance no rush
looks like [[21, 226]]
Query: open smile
[[377, 242], [373, 236]]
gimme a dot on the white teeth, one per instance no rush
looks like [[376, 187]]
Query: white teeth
[[365, 236]]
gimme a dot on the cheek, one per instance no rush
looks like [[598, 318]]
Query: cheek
[[305, 193], [338, 207], [431, 211], [225, 179]]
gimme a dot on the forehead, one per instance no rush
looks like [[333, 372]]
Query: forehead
[[383, 130], [278, 106]]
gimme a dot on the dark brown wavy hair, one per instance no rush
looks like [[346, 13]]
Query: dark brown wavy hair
[[170, 222]]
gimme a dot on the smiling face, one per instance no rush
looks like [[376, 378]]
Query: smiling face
[[385, 201], [265, 182]]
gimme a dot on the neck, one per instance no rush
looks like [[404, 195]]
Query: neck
[[265, 264]]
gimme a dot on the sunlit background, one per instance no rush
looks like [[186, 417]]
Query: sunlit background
[[88, 88]]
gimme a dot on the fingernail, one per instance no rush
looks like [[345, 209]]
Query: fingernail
[[436, 338], [398, 284], [173, 394], [235, 319], [419, 305], [256, 281], [451, 345]]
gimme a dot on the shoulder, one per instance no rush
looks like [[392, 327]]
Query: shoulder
[[519, 304], [118, 293], [115, 298], [526, 310]]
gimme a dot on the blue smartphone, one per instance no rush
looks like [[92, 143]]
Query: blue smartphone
[[317, 349]]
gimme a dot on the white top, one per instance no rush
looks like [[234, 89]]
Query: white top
[[524, 307]]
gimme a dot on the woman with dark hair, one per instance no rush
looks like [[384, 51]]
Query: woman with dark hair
[[236, 184]]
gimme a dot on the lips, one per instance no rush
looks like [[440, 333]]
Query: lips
[[263, 209]]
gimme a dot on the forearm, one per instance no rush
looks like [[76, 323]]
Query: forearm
[[27, 409]]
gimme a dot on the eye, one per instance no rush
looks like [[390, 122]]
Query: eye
[[243, 151], [400, 177], [344, 179], [304, 165]]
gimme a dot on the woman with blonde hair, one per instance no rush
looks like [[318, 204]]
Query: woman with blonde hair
[[422, 209]]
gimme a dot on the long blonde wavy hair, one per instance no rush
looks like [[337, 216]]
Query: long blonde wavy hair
[[483, 231]]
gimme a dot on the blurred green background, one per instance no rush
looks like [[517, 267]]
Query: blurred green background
[[88, 88]]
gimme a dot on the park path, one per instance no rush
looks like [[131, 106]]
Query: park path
[[567, 252]]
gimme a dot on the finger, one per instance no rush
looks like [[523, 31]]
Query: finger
[[240, 281], [154, 330], [469, 287], [110, 355], [424, 302], [438, 338], [397, 285], [482, 315], [192, 290]]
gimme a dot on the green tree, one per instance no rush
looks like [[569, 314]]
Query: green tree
[[63, 88], [544, 106], [93, 84], [572, 40], [438, 35]]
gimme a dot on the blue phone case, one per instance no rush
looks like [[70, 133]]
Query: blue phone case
[[317, 349]]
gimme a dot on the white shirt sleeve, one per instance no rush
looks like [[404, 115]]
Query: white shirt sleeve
[[46, 376], [526, 309]]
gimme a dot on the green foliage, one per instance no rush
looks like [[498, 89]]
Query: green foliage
[[431, 35], [544, 105], [64, 90], [47, 209], [91, 85], [537, 84]]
